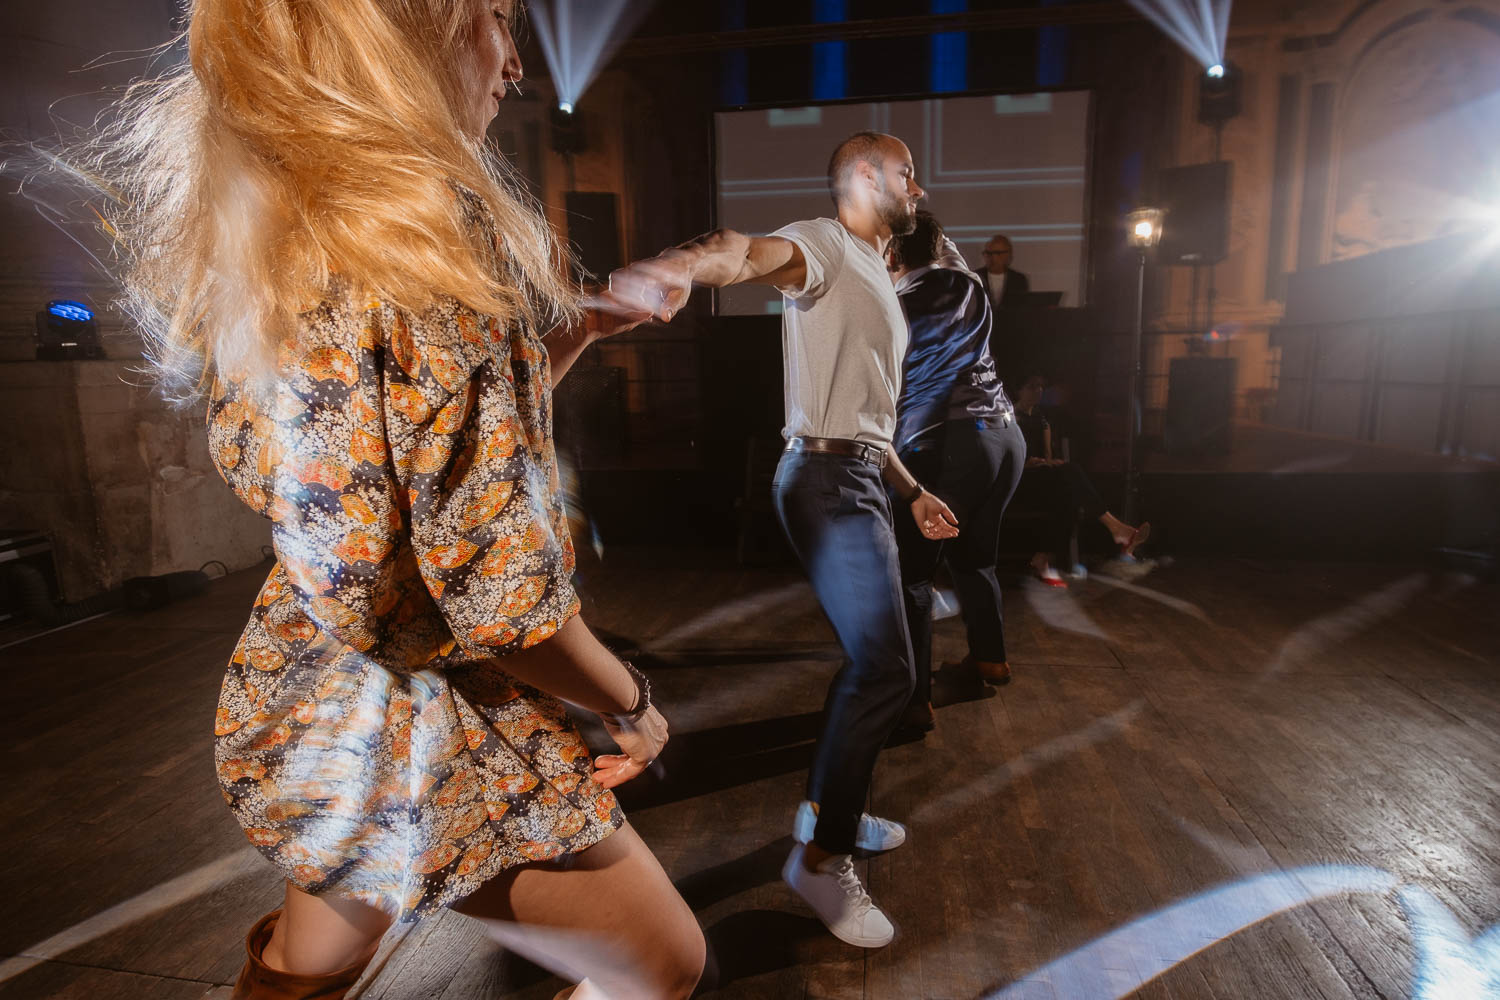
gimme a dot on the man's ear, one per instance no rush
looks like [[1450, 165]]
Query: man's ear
[[866, 172]]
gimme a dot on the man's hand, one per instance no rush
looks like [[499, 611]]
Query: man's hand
[[652, 289], [933, 517]]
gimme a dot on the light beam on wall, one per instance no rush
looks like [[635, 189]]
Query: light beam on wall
[[1201, 27], [578, 37]]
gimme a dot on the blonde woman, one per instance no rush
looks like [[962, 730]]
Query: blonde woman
[[314, 233]]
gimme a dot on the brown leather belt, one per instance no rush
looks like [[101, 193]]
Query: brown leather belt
[[874, 454]]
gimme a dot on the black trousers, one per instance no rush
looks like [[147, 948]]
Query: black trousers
[[1066, 494], [973, 466], [838, 518]]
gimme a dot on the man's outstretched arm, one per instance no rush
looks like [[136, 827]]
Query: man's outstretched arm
[[659, 286], [725, 257]]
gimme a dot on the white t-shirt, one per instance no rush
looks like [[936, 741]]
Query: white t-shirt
[[997, 287], [843, 338]]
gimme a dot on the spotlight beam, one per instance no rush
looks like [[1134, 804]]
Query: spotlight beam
[[1199, 27], [577, 43]]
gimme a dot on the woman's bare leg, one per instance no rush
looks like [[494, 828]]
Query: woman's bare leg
[[316, 935], [610, 914]]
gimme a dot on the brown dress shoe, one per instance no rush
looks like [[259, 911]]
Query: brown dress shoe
[[258, 981], [994, 673]]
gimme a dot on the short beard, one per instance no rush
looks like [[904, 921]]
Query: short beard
[[894, 214]]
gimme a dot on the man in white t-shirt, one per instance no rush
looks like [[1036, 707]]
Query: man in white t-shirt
[[843, 339]]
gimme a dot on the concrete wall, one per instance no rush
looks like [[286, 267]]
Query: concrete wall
[[120, 481]]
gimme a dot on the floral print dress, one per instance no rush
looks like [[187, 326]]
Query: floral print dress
[[368, 738]]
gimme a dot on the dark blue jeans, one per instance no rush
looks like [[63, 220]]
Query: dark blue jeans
[[974, 466], [838, 518]]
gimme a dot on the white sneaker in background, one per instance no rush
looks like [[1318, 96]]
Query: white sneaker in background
[[839, 899], [872, 834]]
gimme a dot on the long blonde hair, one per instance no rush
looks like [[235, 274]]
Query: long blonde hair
[[303, 140]]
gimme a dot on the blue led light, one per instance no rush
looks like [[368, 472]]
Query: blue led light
[[70, 310]]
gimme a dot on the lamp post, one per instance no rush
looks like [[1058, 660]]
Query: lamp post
[[1143, 229]]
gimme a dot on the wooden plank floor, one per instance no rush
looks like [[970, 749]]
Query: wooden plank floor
[[1162, 738]]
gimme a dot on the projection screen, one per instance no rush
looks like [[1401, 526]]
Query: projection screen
[[1008, 163]]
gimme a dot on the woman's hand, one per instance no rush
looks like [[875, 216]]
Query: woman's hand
[[642, 741], [1037, 462], [933, 517], [604, 316]]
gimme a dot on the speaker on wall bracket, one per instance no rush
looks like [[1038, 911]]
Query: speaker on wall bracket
[[1195, 199]]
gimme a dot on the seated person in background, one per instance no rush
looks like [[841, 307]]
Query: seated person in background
[[1060, 488], [955, 431]]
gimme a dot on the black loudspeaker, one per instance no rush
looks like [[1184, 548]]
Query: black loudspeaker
[[594, 230], [1196, 202], [1200, 406]]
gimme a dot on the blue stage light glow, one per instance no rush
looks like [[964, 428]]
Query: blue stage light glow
[[70, 310], [566, 107], [1216, 70]]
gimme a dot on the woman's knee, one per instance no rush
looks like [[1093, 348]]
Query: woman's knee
[[678, 967]]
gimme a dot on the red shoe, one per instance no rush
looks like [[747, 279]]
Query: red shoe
[[1052, 578]]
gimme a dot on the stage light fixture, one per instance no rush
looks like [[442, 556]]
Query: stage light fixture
[[1219, 94], [567, 129], [67, 331]]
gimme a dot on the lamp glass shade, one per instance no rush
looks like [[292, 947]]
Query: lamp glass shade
[[1143, 227]]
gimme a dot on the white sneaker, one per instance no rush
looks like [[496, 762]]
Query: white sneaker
[[872, 834], [835, 894]]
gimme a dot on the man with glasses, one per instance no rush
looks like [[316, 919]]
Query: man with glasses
[[1007, 288]]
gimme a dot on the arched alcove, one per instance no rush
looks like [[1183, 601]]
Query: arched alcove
[[1418, 135]]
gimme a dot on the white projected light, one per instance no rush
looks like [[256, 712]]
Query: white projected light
[[566, 107], [1200, 27], [579, 36]]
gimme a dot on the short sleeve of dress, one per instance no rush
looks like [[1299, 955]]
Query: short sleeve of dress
[[469, 411], [822, 244]]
